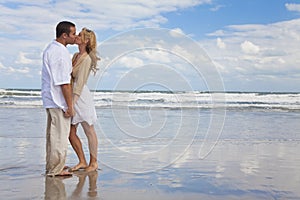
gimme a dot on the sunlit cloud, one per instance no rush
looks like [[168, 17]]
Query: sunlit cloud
[[293, 7], [14, 71], [249, 48], [220, 43], [22, 59], [131, 62], [177, 32]]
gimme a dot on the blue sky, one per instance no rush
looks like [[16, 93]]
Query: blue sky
[[253, 44]]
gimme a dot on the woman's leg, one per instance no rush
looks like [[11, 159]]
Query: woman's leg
[[93, 145], [77, 146]]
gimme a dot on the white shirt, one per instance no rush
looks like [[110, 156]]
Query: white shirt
[[56, 71]]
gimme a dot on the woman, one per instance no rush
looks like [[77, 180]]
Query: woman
[[84, 62]]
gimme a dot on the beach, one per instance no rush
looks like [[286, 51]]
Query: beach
[[255, 156]]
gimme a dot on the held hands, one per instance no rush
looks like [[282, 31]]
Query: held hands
[[70, 112]]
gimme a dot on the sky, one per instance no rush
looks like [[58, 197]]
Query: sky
[[252, 45]]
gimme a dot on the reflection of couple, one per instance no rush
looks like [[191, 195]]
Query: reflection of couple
[[55, 188], [67, 99]]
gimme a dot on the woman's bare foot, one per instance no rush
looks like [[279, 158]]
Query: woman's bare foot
[[78, 167], [92, 167]]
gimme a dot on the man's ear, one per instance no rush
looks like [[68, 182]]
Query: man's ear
[[65, 35]]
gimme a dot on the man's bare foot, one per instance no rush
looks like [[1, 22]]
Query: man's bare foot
[[92, 167], [66, 167], [64, 173], [78, 167]]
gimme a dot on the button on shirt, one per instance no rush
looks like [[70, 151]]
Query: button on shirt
[[56, 71]]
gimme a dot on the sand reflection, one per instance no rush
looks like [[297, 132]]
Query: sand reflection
[[55, 187]]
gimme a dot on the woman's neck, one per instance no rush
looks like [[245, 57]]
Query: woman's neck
[[82, 49]]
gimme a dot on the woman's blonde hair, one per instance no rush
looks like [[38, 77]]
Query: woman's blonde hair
[[91, 47]]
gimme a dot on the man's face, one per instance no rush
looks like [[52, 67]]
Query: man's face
[[72, 36]]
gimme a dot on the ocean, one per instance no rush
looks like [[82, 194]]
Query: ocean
[[161, 145], [167, 99]]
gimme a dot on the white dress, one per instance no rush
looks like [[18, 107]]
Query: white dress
[[85, 108]]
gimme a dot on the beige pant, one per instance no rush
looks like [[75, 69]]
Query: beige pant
[[58, 129]]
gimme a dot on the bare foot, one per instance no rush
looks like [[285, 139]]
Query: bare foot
[[78, 167], [92, 167], [64, 173], [65, 167]]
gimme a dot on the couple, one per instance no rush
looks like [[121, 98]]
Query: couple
[[67, 99]]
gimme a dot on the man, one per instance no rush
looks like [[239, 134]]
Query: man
[[57, 97]]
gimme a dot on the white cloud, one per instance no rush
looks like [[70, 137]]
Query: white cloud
[[254, 51], [131, 62], [22, 59], [116, 15], [1, 66], [249, 48], [216, 8], [221, 44], [157, 55], [24, 70], [177, 32], [14, 71], [293, 7], [26, 34]]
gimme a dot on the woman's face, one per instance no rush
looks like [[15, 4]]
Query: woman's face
[[78, 39]]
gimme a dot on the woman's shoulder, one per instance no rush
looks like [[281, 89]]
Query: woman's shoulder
[[87, 58]]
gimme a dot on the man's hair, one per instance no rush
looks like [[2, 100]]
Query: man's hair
[[63, 27]]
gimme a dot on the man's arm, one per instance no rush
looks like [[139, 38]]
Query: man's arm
[[67, 92]]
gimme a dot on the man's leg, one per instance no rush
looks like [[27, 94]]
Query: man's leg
[[57, 141], [48, 140]]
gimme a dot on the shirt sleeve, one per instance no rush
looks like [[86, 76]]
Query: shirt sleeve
[[83, 75], [61, 72]]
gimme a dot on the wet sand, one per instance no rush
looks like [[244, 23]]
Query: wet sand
[[257, 158]]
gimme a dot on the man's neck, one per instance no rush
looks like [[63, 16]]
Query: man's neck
[[63, 42]]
